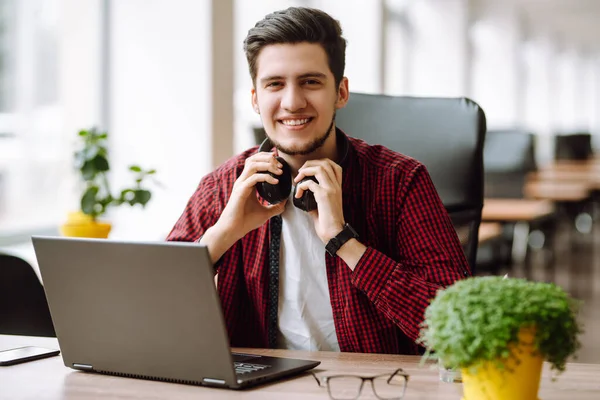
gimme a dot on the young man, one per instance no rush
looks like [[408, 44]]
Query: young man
[[357, 273]]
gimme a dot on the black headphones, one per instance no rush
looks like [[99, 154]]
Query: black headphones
[[277, 193]]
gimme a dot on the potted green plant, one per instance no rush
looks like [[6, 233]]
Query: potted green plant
[[498, 331], [92, 162]]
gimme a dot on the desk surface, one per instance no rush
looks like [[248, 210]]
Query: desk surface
[[515, 210], [566, 165], [556, 190], [489, 231], [49, 379], [589, 177]]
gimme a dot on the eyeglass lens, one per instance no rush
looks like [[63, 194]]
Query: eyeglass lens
[[389, 387], [344, 387], [386, 387]]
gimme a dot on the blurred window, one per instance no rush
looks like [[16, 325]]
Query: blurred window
[[34, 160], [397, 42]]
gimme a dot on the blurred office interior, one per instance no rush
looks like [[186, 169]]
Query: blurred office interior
[[169, 81]]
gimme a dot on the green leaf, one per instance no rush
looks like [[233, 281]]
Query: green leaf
[[135, 168], [88, 200], [151, 172], [83, 133], [101, 163], [88, 170], [127, 195], [142, 197], [479, 319]]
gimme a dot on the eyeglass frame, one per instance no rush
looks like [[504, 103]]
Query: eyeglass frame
[[398, 372]]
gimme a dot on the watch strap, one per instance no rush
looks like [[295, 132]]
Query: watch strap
[[340, 239]]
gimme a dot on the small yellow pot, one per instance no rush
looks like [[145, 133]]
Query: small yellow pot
[[81, 225], [520, 380]]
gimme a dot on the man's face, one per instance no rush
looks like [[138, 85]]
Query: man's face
[[296, 95]]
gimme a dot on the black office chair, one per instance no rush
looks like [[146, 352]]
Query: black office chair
[[509, 155], [576, 146], [23, 306], [446, 135], [259, 134]]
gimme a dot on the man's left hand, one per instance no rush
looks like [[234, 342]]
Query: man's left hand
[[329, 215]]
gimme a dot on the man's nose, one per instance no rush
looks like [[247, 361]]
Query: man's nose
[[293, 99]]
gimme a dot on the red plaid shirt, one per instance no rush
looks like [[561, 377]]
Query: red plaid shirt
[[412, 251]]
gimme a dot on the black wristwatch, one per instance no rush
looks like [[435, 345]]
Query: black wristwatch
[[338, 241]]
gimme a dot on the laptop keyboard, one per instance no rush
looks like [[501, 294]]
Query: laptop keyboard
[[244, 368]]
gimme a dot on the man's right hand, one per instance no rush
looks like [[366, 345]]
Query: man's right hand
[[244, 212]]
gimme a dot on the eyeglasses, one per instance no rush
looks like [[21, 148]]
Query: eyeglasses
[[349, 387]]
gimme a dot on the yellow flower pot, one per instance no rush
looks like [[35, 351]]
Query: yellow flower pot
[[81, 225], [519, 380]]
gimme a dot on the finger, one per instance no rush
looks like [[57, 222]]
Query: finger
[[256, 178], [325, 176], [256, 166], [262, 157], [322, 161], [276, 209], [339, 172], [302, 173], [264, 166], [310, 169], [247, 188], [307, 185], [331, 165]]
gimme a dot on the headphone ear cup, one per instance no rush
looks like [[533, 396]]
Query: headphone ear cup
[[307, 202], [277, 193]]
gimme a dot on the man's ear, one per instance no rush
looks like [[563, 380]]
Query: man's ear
[[343, 94], [255, 101]]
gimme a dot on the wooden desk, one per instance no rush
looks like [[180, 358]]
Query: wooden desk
[[489, 231], [49, 379], [522, 212], [587, 176], [556, 190], [515, 210], [592, 163]]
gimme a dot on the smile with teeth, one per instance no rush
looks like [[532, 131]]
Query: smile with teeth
[[296, 122]]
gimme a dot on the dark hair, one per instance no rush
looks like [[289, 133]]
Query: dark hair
[[296, 25]]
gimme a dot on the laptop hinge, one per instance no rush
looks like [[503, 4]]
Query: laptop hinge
[[83, 367], [214, 382]]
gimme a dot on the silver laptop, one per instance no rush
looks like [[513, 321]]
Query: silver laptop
[[145, 310]]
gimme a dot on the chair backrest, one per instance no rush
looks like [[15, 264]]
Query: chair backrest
[[259, 134], [445, 134], [509, 155], [575, 146], [23, 306]]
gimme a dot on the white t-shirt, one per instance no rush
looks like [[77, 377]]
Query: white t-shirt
[[305, 314]]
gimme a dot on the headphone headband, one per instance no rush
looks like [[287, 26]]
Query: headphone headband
[[266, 145]]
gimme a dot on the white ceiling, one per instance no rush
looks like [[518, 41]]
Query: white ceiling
[[572, 22]]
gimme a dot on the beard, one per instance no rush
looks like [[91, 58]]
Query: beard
[[310, 147]]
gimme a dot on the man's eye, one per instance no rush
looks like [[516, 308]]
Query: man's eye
[[273, 84], [311, 82]]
